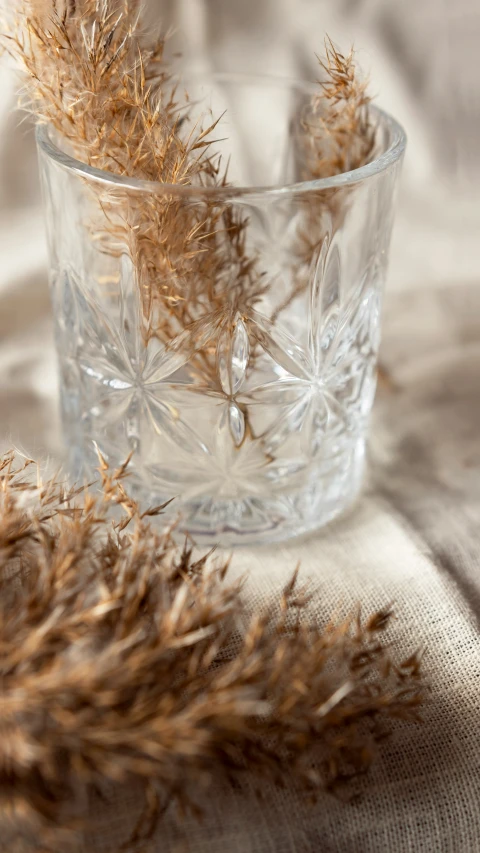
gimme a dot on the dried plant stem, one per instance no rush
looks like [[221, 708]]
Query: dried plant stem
[[335, 134], [123, 658], [94, 76]]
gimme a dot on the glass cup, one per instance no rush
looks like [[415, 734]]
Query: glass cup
[[238, 377]]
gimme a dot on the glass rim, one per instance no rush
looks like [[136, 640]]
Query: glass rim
[[386, 159]]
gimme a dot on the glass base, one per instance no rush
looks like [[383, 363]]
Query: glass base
[[258, 520]]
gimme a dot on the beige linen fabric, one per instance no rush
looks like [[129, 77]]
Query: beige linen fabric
[[415, 536]]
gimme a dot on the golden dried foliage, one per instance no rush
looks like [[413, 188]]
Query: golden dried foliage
[[95, 77], [335, 134], [124, 658], [339, 132]]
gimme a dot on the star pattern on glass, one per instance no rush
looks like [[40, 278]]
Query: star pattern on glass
[[200, 436], [134, 380], [325, 388], [217, 468]]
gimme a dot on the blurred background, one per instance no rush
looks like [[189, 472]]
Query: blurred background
[[422, 60]]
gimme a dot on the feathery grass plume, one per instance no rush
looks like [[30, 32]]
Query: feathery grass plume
[[104, 85], [335, 133], [94, 76], [339, 133], [123, 658], [339, 136]]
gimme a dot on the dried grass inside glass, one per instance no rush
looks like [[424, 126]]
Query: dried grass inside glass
[[239, 374]]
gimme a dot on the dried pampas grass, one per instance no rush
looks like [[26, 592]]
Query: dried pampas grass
[[124, 658], [339, 132], [94, 75], [335, 133]]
